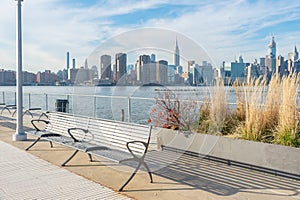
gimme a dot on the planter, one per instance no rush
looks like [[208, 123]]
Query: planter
[[271, 156]]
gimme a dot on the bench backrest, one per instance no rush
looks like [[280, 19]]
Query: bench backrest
[[102, 132]]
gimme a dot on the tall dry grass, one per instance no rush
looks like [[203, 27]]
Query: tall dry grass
[[252, 127], [265, 111], [271, 107], [218, 107], [288, 116]]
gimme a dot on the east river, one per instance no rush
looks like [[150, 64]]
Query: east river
[[105, 102]]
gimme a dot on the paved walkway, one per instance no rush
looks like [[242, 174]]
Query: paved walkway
[[36, 175], [24, 176]]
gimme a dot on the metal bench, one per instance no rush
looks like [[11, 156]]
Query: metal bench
[[114, 140], [14, 107]]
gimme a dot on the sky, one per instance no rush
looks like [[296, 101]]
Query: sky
[[223, 29]]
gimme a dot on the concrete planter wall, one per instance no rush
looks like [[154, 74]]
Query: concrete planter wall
[[277, 157]]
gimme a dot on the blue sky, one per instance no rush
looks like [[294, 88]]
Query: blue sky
[[224, 29]]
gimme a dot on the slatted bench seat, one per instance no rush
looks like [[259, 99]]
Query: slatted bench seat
[[118, 141]]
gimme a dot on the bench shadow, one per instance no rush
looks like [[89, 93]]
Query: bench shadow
[[216, 177], [90, 165]]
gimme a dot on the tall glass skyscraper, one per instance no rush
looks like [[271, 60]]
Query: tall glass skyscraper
[[176, 55], [272, 54]]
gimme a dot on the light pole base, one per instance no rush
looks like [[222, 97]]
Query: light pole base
[[19, 137]]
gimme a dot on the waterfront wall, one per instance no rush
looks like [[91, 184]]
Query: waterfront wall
[[276, 157]]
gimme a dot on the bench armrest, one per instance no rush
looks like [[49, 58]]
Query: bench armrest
[[81, 129], [38, 120], [134, 142]]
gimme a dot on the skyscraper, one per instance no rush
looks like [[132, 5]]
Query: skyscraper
[[74, 63], [68, 60], [120, 66], [153, 57], [271, 56], [162, 72], [176, 55], [105, 66], [142, 71], [86, 66]]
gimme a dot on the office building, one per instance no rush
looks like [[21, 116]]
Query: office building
[[270, 61], [105, 67], [153, 57], [162, 72], [143, 69], [120, 67]]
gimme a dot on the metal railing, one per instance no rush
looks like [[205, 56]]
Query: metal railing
[[123, 108]]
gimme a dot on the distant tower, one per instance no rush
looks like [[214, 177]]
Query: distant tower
[[296, 54], [68, 60], [86, 64], [74, 63], [176, 55], [153, 57], [272, 54]]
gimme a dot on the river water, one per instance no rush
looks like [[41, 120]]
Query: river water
[[104, 102]]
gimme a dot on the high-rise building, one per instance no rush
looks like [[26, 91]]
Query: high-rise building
[[46, 78], [271, 56], [293, 55], [176, 55], [162, 72], [86, 66], [142, 71], [120, 67], [207, 74], [105, 66], [74, 63], [190, 63], [279, 65], [292, 58], [68, 60], [153, 57]]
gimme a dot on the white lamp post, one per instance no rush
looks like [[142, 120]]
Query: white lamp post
[[20, 134]]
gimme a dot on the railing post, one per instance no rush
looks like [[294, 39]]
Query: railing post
[[15, 98], [3, 96], [95, 105], [122, 115], [129, 109], [46, 96], [29, 104], [68, 108]]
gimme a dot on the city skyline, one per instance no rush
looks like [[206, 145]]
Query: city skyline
[[224, 29]]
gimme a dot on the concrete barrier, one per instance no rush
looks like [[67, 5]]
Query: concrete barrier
[[271, 156]]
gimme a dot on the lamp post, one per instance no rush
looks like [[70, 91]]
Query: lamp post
[[20, 134]]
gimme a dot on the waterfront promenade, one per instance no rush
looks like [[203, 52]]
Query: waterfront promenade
[[37, 174]]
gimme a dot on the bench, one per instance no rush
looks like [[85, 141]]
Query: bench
[[118, 141], [14, 107]]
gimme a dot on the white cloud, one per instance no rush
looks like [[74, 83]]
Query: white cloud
[[224, 29], [228, 29]]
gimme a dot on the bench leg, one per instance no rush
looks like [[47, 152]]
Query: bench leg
[[148, 169], [64, 163], [141, 162], [132, 175], [90, 157], [33, 143], [5, 108], [27, 111], [51, 144], [43, 114]]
